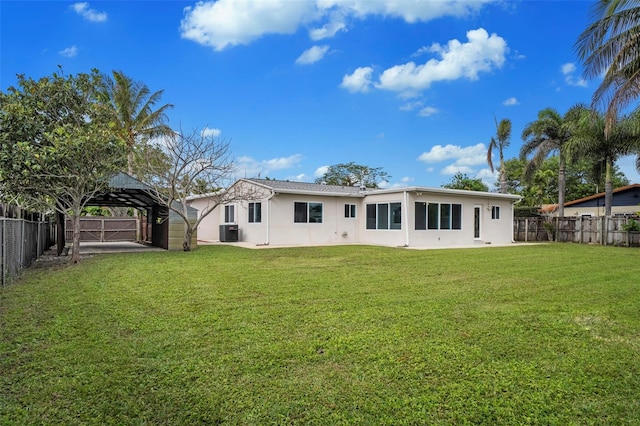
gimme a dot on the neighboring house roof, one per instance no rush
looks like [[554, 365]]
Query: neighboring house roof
[[633, 198]]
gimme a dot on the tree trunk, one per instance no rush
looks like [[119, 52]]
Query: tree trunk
[[561, 185], [503, 176], [188, 233], [608, 188], [75, 255], [61, 236]]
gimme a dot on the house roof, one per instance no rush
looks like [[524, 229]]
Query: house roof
[[288, 187], [309, 188], [601, 194]]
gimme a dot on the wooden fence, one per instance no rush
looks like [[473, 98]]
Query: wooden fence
[[585, 230], [103, 229]]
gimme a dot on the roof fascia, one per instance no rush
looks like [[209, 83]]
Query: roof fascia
[[446, 191]]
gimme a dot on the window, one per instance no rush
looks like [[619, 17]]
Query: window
[[255, 212], [495, 212], [229, 214], [384, 216], [307, 212], [349, 210], [421, 216], [438, 216]]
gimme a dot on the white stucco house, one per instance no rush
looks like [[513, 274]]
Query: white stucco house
[[297, 213]]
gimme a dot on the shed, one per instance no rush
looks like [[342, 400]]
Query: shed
[[166, 228]]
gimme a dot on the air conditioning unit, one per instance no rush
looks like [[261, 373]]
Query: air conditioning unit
[[228, 233]]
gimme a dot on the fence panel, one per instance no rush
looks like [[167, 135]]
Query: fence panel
[[585, 230], [22, 241], [100, 229]]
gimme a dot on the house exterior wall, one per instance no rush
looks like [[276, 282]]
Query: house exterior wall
[[209, 229], [277, 225], [496, 231], [334, 229]]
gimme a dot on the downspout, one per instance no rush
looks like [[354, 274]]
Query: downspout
[[513, 217], [266, 243], [406, 218]]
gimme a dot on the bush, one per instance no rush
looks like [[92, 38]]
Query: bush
[[631, 226]]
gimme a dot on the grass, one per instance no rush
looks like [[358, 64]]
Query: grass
[[545, 334]]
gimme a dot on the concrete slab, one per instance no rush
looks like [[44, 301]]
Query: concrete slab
[[115, 247]]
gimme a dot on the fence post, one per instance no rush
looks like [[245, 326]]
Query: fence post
[[526, 229], [4, 252]]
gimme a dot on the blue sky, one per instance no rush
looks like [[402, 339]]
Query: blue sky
[[294, 86]]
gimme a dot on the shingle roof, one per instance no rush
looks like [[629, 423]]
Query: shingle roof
[[602, 194], [286, 186]]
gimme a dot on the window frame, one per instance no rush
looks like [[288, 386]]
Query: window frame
[[384, 216], [255, 212], [435, 216], [229, 213], [308, 213], [349, 211], [495, 212]]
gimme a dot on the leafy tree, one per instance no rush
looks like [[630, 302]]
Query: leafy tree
[[547, 135], [591, 141], [352, 174], [500, 142], [610, 47], [541, 188], [195, 161], [57, 143], [463, 181], [136, 119]]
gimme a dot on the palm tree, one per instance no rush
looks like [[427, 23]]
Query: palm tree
[[548, 135], [133, 104], [500, 142], [591, 140], [610, 46]]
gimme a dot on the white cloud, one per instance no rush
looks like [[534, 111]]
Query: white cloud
[[300, 178], [283, 162], [407, 179], [427, 111], [320, 171], [328, 30], [359, 81], [465, 158], [313, 54], [409, 11], [207, 132], [410, 106], [470, 155], [226, 23], [69, 52], [510, 102], [92, 15], [481, 53], [452, 169], [569, 70], [250, 167]]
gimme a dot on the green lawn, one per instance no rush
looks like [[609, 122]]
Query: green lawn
[[543, 334]]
